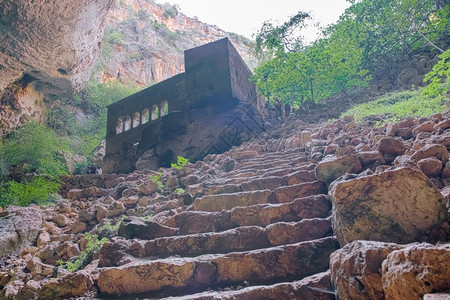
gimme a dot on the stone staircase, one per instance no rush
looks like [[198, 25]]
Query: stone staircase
[[259, 231]]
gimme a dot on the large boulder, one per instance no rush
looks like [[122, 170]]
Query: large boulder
[[355, 269], [71, 285], [417, 270], [393, 206], [19, 228]]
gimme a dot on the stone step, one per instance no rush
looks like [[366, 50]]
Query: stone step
[[282, 194], [256, 267], [317, 287], [189, 222], [272, 162], [228, 201], [261, 183], [244, 177], [239, 239]]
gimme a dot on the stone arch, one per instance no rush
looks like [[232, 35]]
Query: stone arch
[[119, 126], [164, 109], [136, 119], [145, 116], [155, 112], [127, 123]]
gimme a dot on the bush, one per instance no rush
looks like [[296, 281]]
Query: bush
[[61, 120], [40, 191], [37, 146], [98, 96], [439, 77], [397, 106], [170, 11]]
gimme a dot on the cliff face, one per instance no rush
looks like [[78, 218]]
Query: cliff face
[[47, 47], [50, 48], [144, 41], [55, 42]]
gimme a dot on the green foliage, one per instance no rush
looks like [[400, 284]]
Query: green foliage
[[37, 146], [329, 66], [157, 179], [40, 191], [385, 28], [362, 43], [179, 191], [170, 11], [61, 120], [147, 217], [397, 106], [4, 172], [439, 77], [277, 39], [111, 37], [108, 227], [93, 245], [181, 162], [97, 96], [81, 168]]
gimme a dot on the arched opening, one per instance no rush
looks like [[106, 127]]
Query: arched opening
[[145, 116], [119, 126], [155, 112], [127, 124], [164, 109], [136, 119]]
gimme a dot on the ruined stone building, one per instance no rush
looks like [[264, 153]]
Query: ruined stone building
[[209, 108]]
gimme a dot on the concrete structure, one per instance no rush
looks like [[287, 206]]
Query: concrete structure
[[207, 109]]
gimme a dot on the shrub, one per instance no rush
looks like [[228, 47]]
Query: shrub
[[397, 106], [40, 191], [61, 120], [181, 162], [439, 77], [37, 146], [85, 256], [170, 11]]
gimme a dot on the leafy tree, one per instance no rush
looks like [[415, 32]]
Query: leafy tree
[[439, 77], [60, 119], [276, 39], [386, 28]]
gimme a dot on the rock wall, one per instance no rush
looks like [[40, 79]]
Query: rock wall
[[146, 41], [48, 48], [54, 42]]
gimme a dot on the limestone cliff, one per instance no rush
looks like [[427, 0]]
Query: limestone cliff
[[47, 47], [53, 42], [144, 41]]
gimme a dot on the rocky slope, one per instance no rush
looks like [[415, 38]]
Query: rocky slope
[[262, 220], [144, 41]]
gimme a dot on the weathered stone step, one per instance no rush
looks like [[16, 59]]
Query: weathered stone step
[[258, 183], [190, 222], [228, 201], [239, 239], [257, 266], [273, 162], [309, 288], [283, 194], [274, 172]]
